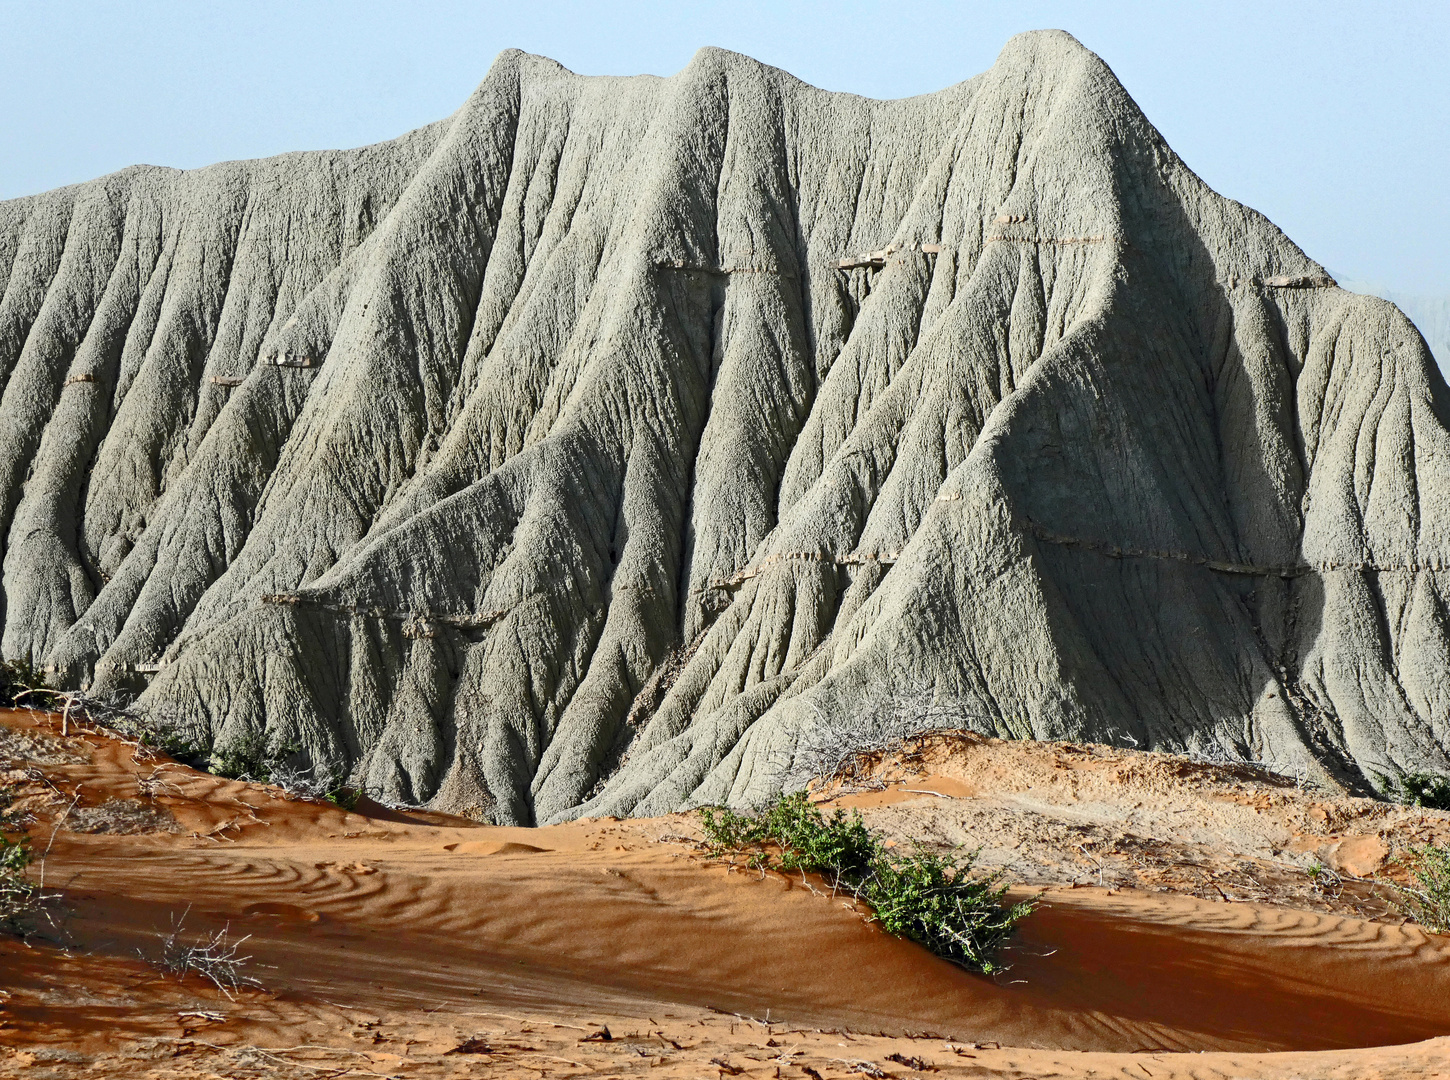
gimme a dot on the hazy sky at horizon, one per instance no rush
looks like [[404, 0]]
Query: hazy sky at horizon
[[1331, 118]]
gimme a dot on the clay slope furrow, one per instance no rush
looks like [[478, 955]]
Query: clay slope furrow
[[600, 447]]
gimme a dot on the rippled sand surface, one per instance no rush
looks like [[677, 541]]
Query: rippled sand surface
[[403, 944]]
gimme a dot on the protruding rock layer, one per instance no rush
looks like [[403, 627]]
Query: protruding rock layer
[[582, 451]]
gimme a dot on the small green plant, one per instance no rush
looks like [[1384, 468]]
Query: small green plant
[[20, 898], [1324, 880], [9, 819], [154, 734], [343, 796], [1427, 899], [20, 683], [1430, 790], [931, 898]]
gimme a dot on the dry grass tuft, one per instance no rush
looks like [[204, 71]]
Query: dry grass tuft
[[215, 957]]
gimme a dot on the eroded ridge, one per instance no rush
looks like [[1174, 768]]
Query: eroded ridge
[[608, 434]]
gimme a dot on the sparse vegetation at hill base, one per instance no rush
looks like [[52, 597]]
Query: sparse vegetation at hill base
[[1430, 790], [18, 682], [20, 898], [1427, 898], [931, 898], [253, 757], [269, 761]]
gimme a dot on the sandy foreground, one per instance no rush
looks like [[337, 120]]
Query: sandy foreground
[[1179, 935]]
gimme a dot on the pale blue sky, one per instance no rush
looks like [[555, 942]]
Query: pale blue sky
[[1332, 118]]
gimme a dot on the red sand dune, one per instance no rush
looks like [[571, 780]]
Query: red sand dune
[[403, 913]]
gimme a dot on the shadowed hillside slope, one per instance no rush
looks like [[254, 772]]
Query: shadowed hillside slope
[[584, 452]]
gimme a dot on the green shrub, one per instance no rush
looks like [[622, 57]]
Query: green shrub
[[343, 796], [1427, 900], [1429, 790], [154, 734], [17, 680], [174, 744], [931, 898], [19, 896], [256, 757], [804, 838], [249, 757]]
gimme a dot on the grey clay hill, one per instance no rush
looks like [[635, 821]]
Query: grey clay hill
[[580, 452]]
